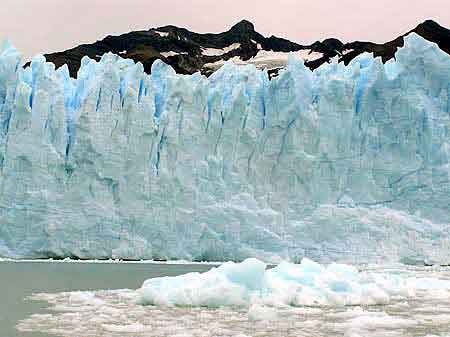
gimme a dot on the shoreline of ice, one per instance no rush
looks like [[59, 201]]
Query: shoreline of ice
[[113, 261], [361, 267]]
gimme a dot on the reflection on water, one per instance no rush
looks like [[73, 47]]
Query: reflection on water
[[116, 313]]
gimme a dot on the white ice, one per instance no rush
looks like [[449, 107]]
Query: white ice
[[346, 163], [306, 284]]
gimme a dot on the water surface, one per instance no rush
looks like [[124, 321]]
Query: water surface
[[19, 280]]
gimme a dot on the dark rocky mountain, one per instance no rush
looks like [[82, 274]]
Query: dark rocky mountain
[[188, 52]]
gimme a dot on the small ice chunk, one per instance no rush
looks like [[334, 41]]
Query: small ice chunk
[[258, 312]]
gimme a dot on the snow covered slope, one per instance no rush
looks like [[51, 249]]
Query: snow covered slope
[[349, 163]]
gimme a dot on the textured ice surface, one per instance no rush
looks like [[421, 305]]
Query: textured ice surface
[[347, 163], [306, 284], [425, 311]]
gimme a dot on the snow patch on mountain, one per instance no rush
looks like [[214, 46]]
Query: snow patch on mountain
[[219, 52], [162, 34], [172, 53], [269, 59]]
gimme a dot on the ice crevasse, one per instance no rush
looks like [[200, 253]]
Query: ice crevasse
[[347, 163]]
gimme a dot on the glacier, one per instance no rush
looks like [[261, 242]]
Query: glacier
[[346, 163]]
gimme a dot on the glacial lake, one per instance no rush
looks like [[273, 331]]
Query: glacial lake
[[81, 299], [19, 280]]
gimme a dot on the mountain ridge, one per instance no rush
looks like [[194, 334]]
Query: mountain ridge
[[189, 52]]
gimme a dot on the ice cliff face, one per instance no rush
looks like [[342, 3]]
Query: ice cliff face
[[348, 163]]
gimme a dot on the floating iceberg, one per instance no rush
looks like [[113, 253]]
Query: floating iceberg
[[247, 299], [307, 284], [347, 163]]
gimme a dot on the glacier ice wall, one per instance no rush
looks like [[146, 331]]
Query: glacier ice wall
[[349, 163]]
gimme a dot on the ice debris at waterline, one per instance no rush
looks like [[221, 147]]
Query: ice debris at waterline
[[305, 284], [237, 300], [346, 163]]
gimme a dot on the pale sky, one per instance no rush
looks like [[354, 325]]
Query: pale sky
[[39, 26]]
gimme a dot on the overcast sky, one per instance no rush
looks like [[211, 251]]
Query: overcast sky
[[39, 26]]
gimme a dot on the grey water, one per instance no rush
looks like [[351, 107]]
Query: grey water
[[18, 280], [55, 310]]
